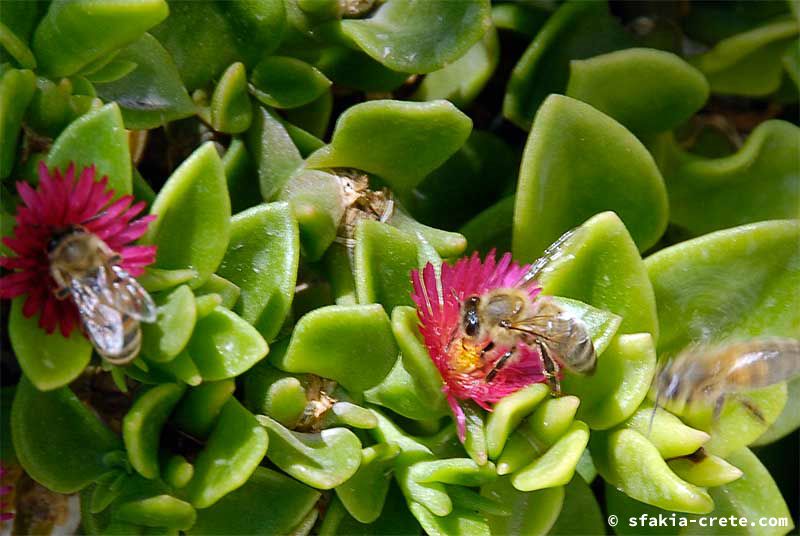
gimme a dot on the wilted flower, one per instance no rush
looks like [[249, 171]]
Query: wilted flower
[[58, 202], [468, 367]]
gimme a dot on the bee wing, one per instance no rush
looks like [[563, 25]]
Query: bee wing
[[565, 337], [552, 254], [130, 298], [102, 321]]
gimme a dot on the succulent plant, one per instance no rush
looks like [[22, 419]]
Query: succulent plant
[[308, 174]]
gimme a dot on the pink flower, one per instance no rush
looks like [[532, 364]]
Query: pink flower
[[58, 202], [4, 490], [463, 364]]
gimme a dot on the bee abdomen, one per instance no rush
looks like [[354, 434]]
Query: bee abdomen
[[764, 363], [583, 358], [132, 342]]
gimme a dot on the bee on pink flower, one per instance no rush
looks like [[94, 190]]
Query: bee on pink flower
[[75, 261], [490, 333]]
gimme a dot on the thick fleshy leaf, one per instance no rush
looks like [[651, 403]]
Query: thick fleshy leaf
[[580, 513], [355, 69], [97, 138], [558, 191], [461, 81], [748, 273], [761, 181], [322, 460], [273, 151], [262, 259], [492, 228], [269, 502], [231, 109], [668, 433], [285, 82], [242, 176], [620, 383], [223, 345], [384, 258], [417, 36], [67, 454], [789, 419], [48, 361], [472, 179], [618, 280], [710, 471], [399, 141], [204, 38], [508, 413], [177, 472], [748, 63], [555, 467], [577, 30], [168, 336], [459, 522], [646, 90], [532, 512], [525, 19], [199, 408], [160, 511], [228, 291], [16, 91], [234, 450], [74, 33], [193, 209], [317, 204], [364, 494], [141, 427], [330, 342], [627, 460], [152, 93], [275, 393]]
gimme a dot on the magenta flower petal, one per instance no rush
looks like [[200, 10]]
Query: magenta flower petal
[[61, 200], [464, 368]]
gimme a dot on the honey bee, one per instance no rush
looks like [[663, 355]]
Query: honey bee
[[508, 316], [111, 303], [712, 374], [360, 202]]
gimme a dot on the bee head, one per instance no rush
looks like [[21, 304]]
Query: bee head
[[469, 318], [68, 250]]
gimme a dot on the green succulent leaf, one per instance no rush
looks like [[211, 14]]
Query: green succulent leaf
[[223, 345], [601, 267], [49, 361], [415, 36], [17, 88], [322, 460], [206, 38], [168, 336], [459, 522], [460, 82], [67, 454], [141, 427], [399, 141], [576, 30], [558, 191], [620, 383], [532, 512], [667, 432], [761, 181], [273, 151], [555, 467], [364, 494], [193, 209], [285, 82], [709, 472], [330, 342], [508, 413], [151, 94], [157, 511], [262, 259], [275, 393], [276, 504], [177, 471], [97, 138], [580, 513], [231, 109], [646, 90], [748, 63], [627, 460], [355, 69], [200, 407], [75, 33], [228, 291], [234, 450]]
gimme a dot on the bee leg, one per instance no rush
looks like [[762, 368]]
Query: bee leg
[[551, 369], [751, 407], [61, 293], [499, 364]]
